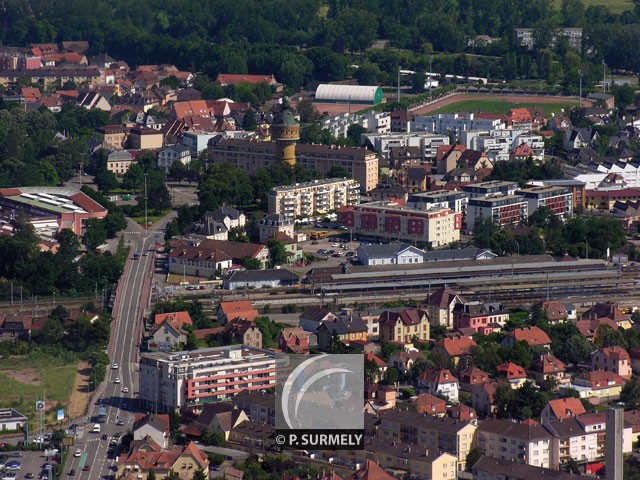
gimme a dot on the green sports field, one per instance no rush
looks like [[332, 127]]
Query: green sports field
[[616, 6], [498, 106]]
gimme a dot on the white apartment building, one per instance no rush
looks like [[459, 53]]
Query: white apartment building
[[184, 381], [571, 441], [499, 143], [313, 198], [556, 198], [492, 187], [170, 155], [517, 442], [501, 210], [427, 142], [196, 142], [454, 124], [375, 122], [456, 201]]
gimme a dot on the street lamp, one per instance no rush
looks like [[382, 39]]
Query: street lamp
[[586, 248], [604, 76], [430, 74], [580, 94], [399, 68], [145, 205]]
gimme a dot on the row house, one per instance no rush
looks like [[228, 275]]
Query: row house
[[437, 228], [479, 317], [404, 326], [384, 144], [425, 431]]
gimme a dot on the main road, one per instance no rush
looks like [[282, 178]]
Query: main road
[[119, 390]]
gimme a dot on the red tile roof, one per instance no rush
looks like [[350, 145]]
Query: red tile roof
[[554, 310], [371, 471], [242, 309], [534, 336], [372, 356], [511, 371], [177, 319], [437, 376], [232, 79], [566, 407], [407, 317], [615, 353], [457, 346]]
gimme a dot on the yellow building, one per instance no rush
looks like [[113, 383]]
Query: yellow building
[[143, 138], [285, 131]]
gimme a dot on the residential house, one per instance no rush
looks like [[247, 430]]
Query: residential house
[[560, 408], [258, 279], [168, 333], [428, 432], [515, 375], [207, 229], [483, 398], [378, 398], [471, 377], [534, 336], [440, 305], [439, 382], [145, 138], [462, 412], [381, 364], [146, 455], [200, 260], [241, 330], [612, 359], [294, 252], [403, 361], [370, 471], [589, 328], [396, 253], [495, 468], [231, 217], [259, 405], [479, 317], [220, 417], [276, 223], [236, 251], [555, 311], [228, 311], [153, 425], [455, 348], [170, 155], [634, 355], [313, 317], [404, 326], [571, 442], [579, 138], [598, 386], [347, 331], [294, 340], [118, 162], [608, 310], [527, 443], [547, 368], [429, 405], [91, 100]]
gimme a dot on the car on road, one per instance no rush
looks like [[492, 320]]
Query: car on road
[[114, 366], [78, 453], [105, 437], [321, 250], [8, 476], [13, 466], [29, 476], [86, 468], [117, 380], [72, 472], [335, 245], [125, 389], [16, 455]]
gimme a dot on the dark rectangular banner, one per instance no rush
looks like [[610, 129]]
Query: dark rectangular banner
[[346, 439]]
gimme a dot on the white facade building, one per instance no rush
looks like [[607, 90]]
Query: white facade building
[[375, 122], [170, 155], [312, 198], [454, 124], [185, 381], [427, 142]]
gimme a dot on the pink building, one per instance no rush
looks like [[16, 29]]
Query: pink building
[[612, 359], [479, 316]]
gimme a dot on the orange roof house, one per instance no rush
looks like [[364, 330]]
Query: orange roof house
[[534, 336], [230, 310], [455, 347], [225, 79], [177, 319], [562, 408], [514, 374]]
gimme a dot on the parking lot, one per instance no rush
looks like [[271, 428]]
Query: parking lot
[[30, 465]]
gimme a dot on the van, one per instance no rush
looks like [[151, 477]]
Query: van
[[96, 428]]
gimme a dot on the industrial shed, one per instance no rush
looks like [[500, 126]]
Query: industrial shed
[[361, 94]]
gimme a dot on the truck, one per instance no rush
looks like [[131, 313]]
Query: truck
[[318, 235]]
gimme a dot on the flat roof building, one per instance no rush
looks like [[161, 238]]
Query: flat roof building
[[313, 198], [501, 210], [184, 381]]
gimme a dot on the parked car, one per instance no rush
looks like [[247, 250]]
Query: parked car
[[78, 453], [13, 465], [16, 455], [72, 472], [29, 476]]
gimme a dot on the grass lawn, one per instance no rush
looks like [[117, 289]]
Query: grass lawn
[[616, 6], [25, 380], [497, 106], [150, 218]]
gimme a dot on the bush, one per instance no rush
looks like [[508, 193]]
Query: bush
[[290, 308]]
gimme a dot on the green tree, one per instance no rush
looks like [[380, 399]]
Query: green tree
[[630, 394], [277, 252], [199, 475], [371, 371], [353, 134], [307, 111], [338, 171], [133, 179], [95, 234], [174, 424], [222, 183], [335, 345], [151, 475], [472, 457], [249, 122]]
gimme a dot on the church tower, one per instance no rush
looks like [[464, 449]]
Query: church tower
[[285, 131]]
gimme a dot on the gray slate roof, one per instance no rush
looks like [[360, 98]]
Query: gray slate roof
[[383, 250]]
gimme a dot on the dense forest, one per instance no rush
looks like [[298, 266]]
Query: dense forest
[[302, 40]]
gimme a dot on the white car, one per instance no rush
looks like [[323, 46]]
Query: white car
[[125, 389], [78, 453], [117, 380], [114, 366]]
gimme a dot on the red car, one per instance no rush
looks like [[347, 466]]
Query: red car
[[86, 468]]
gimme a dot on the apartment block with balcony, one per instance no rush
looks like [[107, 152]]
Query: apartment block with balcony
[[501, 210], [556, 198], [184, 381], [492, 188], [312, 198], [384, 220], [526, 443]]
